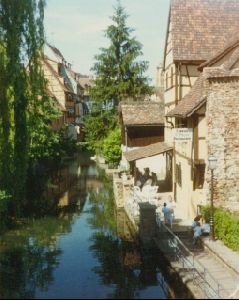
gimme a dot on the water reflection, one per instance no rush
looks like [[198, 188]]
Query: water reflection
[[131, 270], [83, 249], [28, 258]]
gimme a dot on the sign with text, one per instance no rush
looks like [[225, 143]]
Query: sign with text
[[182, 134]]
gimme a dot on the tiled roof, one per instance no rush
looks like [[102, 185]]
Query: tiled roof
[[147, 151], [200, 28], [190, 102], [230, 46], [56, 51], [55, 74], [224, 64], [85, 81], [143, 113]]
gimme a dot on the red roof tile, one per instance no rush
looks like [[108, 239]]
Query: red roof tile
[[200, 28], [56, 75], [190, 102], [143, 113], [224, 64], [56, 51], [147, 151]]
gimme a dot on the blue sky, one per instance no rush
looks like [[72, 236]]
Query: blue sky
[[76, 28]]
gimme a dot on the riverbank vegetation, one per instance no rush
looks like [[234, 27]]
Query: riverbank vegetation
[[119, 76], [27, 139]]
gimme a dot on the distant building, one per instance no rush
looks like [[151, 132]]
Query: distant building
[[64, 88], [143, 147]]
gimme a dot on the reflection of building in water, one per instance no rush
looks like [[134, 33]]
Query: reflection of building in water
[[88, 178], [71, 180], [92, 183], [132, 258], [125, 228], [64, 200]]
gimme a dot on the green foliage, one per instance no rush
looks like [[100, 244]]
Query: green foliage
[[4, 197], [26, 111], [118, 72], [4, 207], [118, 75], [66, 145], [97, 127], [111, 146], [102, 217], [226, 226]]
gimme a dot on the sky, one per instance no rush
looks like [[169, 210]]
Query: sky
[[76, 28]]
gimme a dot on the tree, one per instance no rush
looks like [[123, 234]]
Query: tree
[[97, 127], [25, 109], [118, 73], [111, 147]]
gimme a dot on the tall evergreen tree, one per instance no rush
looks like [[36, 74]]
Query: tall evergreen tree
[[119, 74]]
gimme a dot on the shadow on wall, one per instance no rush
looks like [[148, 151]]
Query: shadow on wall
[[150, 178]]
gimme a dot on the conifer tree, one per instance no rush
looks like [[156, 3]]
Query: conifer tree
[[118, 71]]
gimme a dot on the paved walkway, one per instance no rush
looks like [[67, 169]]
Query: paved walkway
[[220, 261], [219, 272]]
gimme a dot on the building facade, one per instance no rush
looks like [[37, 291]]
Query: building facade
[[64, 88], [197, 30]]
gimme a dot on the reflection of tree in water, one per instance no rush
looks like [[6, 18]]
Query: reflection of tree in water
[[102, 211], [126, 266], [111, 270], [120, 263], [29, 256]]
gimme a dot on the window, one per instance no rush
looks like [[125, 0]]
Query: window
[[199, 174], [178, 174], [69, 97], [70, 112]]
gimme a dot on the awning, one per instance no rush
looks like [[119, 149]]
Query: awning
[[147, 151]]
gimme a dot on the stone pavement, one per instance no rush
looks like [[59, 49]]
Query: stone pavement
[[219, 261]]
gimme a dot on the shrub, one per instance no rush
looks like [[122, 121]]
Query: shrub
[[111, 147], [226, 226]]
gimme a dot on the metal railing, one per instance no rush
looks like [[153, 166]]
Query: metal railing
[[177, 252], [174, 249]]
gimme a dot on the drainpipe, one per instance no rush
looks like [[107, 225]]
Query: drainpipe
[[169, 122]]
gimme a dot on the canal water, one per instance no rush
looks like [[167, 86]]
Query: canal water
[[83, 249]]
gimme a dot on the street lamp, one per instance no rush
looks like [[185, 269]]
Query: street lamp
[[212, 163]]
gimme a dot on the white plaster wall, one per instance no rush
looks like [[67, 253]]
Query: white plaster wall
[[156, 164]]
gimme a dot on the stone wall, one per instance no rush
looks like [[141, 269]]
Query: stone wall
[[223, 139]]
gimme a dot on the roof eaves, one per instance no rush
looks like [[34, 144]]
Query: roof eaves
[[218, 56], [56, 75], [196, 107], [166, 37], [140, 152]]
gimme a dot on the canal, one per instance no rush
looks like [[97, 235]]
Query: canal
[[83, 249]]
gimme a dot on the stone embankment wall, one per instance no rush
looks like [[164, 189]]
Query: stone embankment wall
[[223, 139]]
